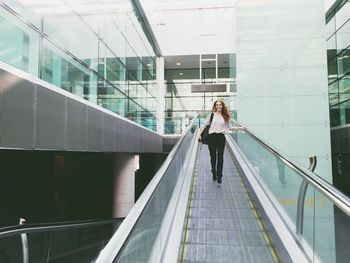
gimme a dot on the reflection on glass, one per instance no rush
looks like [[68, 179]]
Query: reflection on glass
[[19, 44], [141, 243], [80, 244], [63, 71], [117, 57], [338, 43], [325, 229]]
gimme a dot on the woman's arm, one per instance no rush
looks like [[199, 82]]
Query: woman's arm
[[232, 126]]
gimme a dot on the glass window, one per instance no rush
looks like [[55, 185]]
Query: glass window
[[24, 9], [110, 98], [343, 37], [63, 71], [332, 70], [73, 34], [343, 63], [19, 43], [330, 28], [342, 16]]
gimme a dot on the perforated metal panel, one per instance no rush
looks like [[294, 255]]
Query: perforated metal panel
[[119, 126], [139, 140], [148, 143], [108, 133], [128, 135], [33, 116], [94, 130], [16, 111], [76, 125], [50, 119]]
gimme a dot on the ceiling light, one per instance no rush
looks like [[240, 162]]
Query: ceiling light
[[181, 73], [178, 63], [161, 24], [148, 65]]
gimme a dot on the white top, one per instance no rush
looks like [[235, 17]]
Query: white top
[[218, 125]]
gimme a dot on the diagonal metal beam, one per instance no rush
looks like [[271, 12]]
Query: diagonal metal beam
[[146, 26]]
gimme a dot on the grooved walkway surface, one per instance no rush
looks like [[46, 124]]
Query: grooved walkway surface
[[221, 223]]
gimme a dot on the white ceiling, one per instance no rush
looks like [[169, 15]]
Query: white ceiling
[[185, 27]]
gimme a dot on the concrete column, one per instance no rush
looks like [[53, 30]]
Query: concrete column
[[123, 184], [161, 95]]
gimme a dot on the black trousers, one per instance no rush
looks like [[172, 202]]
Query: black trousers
[[216, 144]]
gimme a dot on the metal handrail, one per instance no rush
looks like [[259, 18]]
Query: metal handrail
[[340, 199], [36, 228], [114, 246]]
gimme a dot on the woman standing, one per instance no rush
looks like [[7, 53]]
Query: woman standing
[[216, 140]]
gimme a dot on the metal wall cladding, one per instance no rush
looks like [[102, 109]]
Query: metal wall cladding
[[108, 133], [128, 137], [76, 137], [50, 120], [36, 117], [119, 126], [94, 130], [16, 111]]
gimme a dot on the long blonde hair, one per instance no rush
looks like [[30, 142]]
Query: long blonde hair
[[224, 112]]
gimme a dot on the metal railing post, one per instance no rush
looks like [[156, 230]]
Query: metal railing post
[[301, 197], [24, 243]]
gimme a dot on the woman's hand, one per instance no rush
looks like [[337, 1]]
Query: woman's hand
[[240, 128]]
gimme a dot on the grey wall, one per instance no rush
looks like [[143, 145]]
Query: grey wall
[[36, 117]]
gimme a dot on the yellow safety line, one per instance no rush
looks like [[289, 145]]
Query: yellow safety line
[[259, 220], [183, 248]]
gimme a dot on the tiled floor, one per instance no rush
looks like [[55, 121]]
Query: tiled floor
[[221, 224]]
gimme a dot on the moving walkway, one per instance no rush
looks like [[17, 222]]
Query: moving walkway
[[268, 209]]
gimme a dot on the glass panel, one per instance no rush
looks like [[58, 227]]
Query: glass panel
[[335, 115], [309, 218], [274, 176], [110, 98], [325, 229], [171, 74], [343, 63], [19, 44], [80, 244], [208, 70], [343, 37], [342, 16], [226, 66], [208, 56], [63, 71], [332, 66], [330, 28], [11, 249], [344, 88], [342, 233], [145, 237], [107, 37], [24, 10], [73, 34]]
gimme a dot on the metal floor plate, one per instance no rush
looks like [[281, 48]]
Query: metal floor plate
[[221, 224]]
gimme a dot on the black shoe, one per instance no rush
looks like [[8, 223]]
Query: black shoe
[[219, 179], [214, 175]]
